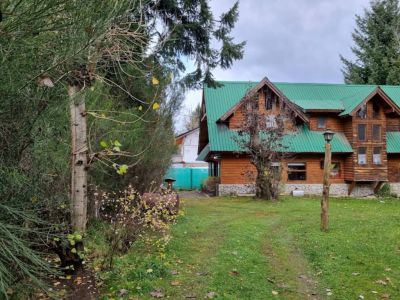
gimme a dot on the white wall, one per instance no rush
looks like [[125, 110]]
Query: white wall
[[188, 151], [189, 146]]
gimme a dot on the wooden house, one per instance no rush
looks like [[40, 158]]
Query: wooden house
[[365, 148]]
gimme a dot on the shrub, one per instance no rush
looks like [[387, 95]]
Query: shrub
[[384, 192], [130, 214], [210, 185]]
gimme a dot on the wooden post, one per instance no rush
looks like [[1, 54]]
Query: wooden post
[[325, 191], [79, 159]]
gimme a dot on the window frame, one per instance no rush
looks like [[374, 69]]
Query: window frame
[[373, 132], [362, 112], [365, 156], [376, 112], [365, 132], [324, 122], [380, 156], [296, 171], [271, 121], [269, 103], [338, 168]]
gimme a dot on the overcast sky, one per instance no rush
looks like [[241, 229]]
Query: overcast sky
[[289, 40]]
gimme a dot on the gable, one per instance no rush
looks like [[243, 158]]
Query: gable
[[262, 85], [383, 98]]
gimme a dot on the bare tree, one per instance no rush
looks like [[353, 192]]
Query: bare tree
[[192, 119], [263, 136]]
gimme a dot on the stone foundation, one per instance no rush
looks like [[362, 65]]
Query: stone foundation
[[236, 189], [337, 189], [395, 188]]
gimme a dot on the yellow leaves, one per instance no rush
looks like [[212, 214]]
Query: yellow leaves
[[122, 169], [155, 81], [140, 108], [156, 106]]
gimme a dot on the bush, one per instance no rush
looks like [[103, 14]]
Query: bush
[[210, 185], [130, 214], [384, 192]]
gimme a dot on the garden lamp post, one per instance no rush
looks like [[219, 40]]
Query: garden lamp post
[[328, 136]]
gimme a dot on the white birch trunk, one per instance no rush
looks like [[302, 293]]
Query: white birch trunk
[[79, 159]]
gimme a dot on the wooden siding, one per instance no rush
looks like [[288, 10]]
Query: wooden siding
[[394, 167], [239, 170], [332, 122], [392, 123], [237, 119], [235, 169], [370, 171]]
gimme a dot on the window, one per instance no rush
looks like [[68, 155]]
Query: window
[[361, 132], [297, 171], [335, 168], [321, 123], [362, 156], [270, 121], [362, 113], [213, 168], [251, 105], [268, 99], [376, 133], [376, 157], [375, 110]]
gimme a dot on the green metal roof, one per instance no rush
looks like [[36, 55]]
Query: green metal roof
[[203, 154], [393, 142], [305, 95], [308, 141], [303, 140]]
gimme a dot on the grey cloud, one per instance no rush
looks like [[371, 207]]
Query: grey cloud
[[292, 40]]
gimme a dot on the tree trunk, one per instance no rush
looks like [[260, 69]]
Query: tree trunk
[[263, 187], [79, 160], [325, 191]]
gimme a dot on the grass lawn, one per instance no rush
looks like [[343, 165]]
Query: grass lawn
[[238, 248]]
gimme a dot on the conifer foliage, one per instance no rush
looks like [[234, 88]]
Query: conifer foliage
[[377, 47]]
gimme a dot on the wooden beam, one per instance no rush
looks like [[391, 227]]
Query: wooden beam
[[351, 187], [377, 186]]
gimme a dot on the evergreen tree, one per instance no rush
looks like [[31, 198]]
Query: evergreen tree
[[376, 47]]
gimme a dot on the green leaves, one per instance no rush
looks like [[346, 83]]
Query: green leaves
[[116, 145], [122, 169]]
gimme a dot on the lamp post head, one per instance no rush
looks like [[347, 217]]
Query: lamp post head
[[328, 135]]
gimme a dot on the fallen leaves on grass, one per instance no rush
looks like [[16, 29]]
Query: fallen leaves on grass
[[157, 293], [174, 272], [175, 283], [275, 293], [191, 296], [234, 272], [210, 295], [380, 281], [122, 292]]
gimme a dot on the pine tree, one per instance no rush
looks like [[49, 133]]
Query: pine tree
[[377, 47]]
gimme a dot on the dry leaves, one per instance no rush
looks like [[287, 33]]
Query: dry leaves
[[176, 283], [157, 293], [210, 295]]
